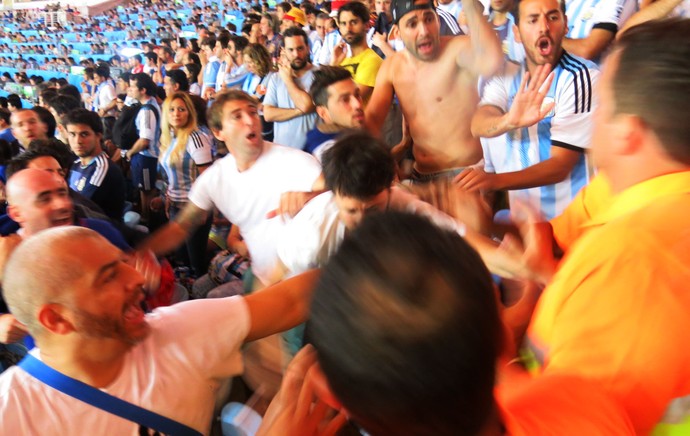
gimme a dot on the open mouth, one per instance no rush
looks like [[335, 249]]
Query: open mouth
[[66, 221], [425, 46], [544, 46], [133, 312], [252, 136]]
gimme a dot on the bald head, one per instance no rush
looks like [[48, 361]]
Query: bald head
[[38, 200], [26, 182], [40, 269]]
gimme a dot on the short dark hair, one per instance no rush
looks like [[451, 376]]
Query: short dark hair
[[88, 72], [5, 115], [406, 328], [285, 6], [70, 90], [86, 117], [357, 9], [324, 77], [103, 71], [62, 152], [22, 161], [215, 112], [62, 104], [180, 78], [47, 118], [358, 165], [240, 42], [662, 102], [153, 57], [14, 100], [223, 39], [209, 41], [516, 10], [145, 82], [295, 31]]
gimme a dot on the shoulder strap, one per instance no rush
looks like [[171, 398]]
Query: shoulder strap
[[153, 109], [97, 398]]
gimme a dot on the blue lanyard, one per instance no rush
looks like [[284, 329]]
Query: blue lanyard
[[97, 398]]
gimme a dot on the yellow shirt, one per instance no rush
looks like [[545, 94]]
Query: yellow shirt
[[364, 67], [618, 309]]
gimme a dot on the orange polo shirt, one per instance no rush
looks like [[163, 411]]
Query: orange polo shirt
[[618, 309], [592, 199], [560, 405]]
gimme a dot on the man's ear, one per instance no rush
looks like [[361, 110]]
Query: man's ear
[[321, 387], [629, 132], [216, 133], [14, 213], [394, 33], [322, 112], [516, 34], [53, 318]]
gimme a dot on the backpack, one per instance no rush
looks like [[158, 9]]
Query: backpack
[[125, 132]]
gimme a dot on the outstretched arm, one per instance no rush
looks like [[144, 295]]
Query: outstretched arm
[[281, 306], [486, 55], [654, 11], [527, 108], [173, 234]]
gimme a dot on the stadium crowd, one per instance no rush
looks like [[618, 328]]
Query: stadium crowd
[[382, 217]]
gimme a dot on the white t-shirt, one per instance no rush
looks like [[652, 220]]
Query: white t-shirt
[[174, 372], [316, 231], [245, 198]]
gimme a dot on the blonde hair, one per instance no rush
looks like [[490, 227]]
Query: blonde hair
[[182, 133]]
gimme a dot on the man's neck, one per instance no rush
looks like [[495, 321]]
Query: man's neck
[[144, 100], [85, 161], [303, 71], [328, 128], [97, 363], [246, 161], [531, 66], [499, 18], [359, 48]]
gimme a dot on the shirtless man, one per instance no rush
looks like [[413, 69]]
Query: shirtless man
[[438, 111]]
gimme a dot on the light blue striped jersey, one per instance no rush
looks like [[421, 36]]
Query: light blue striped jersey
[[513, 50], [182, 174], [568, 125], [210, 74], [585, 15]]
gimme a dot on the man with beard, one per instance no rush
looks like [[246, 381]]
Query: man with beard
[[94, 175], [339, 105], [437, 111], [364, 64], [546, 118], [287, 102], [85, 313]]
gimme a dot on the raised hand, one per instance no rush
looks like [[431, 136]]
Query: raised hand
[[528, 108]]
